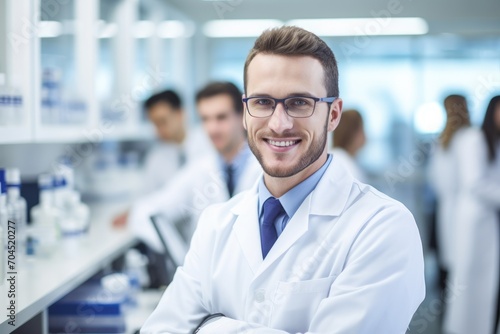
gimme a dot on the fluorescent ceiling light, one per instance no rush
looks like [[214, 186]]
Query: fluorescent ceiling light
[[175, 29], [143, 29], [50, 29], [238, 28], [364, 26]]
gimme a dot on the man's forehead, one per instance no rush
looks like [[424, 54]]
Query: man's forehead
[[262, 58], [302, 73], [216, 105]]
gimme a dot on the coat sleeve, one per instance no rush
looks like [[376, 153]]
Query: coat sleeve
[[183, 305], [173, 200], [378, 291], [159, 165]]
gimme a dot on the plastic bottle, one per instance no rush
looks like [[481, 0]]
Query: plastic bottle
[[51, 96], [136, 271], [17, 107], [18, 212], [74, 109], [60, 191], [6, 102], [45, 218], [76, 215]]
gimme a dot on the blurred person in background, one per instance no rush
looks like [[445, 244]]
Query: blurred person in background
[[176, 145], [475, 273], [348, 139], [443, 179], [212, 179]]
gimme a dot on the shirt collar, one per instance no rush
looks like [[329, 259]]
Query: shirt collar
[[238, 161], [294, 197]]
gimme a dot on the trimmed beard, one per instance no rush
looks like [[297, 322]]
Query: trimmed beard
[[310, 156]]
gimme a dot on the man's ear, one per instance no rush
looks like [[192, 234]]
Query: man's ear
[[335, 114], [244, 112]]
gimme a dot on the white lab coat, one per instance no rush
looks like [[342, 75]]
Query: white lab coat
[[163, 159], [472, 306], [349, 261], [443, 178], [195, 187], [349, 162]]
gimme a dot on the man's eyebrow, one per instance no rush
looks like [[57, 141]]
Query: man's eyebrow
[[304, 94], [260, 95]]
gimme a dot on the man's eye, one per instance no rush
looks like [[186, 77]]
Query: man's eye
[[263, 102], [299, 102]]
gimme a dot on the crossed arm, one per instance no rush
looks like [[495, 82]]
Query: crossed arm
[[373, 294]]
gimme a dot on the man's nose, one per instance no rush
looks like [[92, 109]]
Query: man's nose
[[280, 121]]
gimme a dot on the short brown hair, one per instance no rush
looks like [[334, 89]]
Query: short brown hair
[[457, 117], [222, 88], [295, 41]]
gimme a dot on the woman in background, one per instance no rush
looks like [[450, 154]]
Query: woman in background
[[442, 175], [348, 139], [475, 277]]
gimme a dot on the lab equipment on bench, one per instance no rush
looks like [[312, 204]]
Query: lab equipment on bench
[[18, 211], [45, 218], [90, 308]]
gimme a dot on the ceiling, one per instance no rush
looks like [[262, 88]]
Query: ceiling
[[443, 16]]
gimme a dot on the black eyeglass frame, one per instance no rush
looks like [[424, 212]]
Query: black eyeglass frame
[[328, 99]]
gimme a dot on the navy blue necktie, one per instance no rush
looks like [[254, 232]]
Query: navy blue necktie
[[272, 209], [230, 179], [182, 157]]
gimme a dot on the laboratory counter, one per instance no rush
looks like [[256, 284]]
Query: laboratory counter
[[40, 281]]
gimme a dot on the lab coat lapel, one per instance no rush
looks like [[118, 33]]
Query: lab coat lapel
[[246, 228], [331, 195], [295, 228], [329, 198]]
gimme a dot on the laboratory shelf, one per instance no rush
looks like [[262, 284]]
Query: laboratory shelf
[[42, 281], [10, 134], [64, 133]]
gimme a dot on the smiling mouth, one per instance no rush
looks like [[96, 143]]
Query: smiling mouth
[[282, 143]]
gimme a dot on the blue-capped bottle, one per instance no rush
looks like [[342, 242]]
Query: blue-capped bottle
[[18, 209]]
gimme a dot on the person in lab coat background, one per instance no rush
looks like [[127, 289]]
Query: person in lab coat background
[[443, 179], [209, 180], [308, 248], [176, 145], [348, 139], [474, 305]]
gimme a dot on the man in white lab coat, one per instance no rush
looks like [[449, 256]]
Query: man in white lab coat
[[176, 145], [208, 180], [308, 249]]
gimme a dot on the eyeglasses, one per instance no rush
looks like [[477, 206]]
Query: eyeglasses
[[296, 106]]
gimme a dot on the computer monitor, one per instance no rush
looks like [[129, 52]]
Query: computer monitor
[[174, 245]]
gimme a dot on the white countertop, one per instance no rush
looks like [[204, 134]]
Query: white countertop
[[42, 281]]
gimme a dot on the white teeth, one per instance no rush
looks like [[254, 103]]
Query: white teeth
[[282, 143]]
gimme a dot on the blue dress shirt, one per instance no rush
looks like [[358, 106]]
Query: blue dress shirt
[[238, 164], [293, 198]]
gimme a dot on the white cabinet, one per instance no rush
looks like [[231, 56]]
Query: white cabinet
[[83, 67]]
